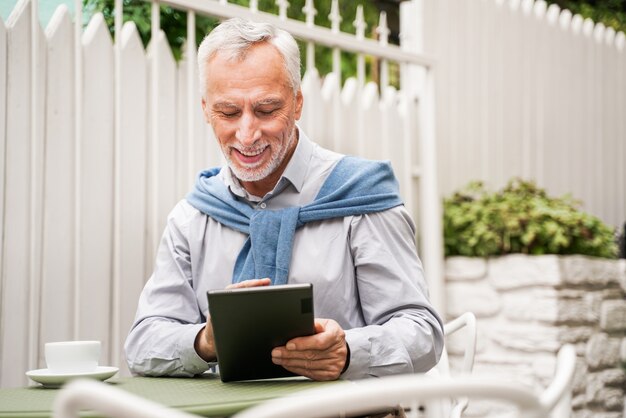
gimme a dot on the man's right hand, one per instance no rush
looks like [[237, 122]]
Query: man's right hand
[[205, 343]]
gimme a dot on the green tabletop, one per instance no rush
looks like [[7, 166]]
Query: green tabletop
[[204, 395]]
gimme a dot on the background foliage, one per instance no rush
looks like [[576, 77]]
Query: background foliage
[[174, 23], [521, 218], [610, 12]]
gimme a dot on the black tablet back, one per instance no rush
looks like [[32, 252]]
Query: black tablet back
[[249, 322]]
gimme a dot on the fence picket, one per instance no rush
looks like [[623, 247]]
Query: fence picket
[[621, 128], [3, 140], [163, 177], [97, 194], [17, 227], [395, 148], [331, 90], [610, 159], [310, 121], [350, 117], [132, 193], [371, 121], [57, 301]]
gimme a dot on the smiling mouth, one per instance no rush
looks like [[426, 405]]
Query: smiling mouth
[[251, 153], [251, 156]]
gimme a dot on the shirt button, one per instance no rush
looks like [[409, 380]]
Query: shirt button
[[263, 205]]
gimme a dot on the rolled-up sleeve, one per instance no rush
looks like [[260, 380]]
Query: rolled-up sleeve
[[403, 332], [161, 340]]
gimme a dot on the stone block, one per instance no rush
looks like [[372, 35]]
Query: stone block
[[578, 402], [622, 352], [507, 369], [528, 338], [585, 413], [622, 274], [613, 315], [602, 386], [612, 398], [519, 270], [614, 292], [603, 352], [594, 299], [579, 383], [572, 335], [477, 297], [465, 268], [613, 377], [517, 303], [581, 270], [575, 311]]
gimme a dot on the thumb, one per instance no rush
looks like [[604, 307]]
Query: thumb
[[319, 327]]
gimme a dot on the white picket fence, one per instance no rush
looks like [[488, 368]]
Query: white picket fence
[[91, 166], [529, 90]]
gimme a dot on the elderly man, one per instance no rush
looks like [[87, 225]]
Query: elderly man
[[340, 223]]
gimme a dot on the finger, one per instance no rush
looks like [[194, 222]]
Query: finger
[[310, 355], [324, 340], [309, 364], [328, 373], [250, 283], [320, 375]]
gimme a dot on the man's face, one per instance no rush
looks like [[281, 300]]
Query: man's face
[[252, 108]]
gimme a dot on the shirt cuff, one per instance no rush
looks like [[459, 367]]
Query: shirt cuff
[[190, 360], [359, 355]]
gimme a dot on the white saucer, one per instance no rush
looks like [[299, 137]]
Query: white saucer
[[52, 380]]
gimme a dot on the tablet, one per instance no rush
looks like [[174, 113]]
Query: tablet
[[249, 322]]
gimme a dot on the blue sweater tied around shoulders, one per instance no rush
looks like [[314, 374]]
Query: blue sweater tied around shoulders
[[354, 187]]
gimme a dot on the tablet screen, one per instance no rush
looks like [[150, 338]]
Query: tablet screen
[[248, 323]]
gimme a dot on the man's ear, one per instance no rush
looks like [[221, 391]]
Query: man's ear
[[299, 103], [205, 111]]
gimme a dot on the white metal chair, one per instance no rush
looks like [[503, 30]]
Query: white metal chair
[[339, 399], [108, 401], [385, 393]]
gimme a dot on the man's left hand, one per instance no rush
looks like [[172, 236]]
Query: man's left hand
[[321, 356]]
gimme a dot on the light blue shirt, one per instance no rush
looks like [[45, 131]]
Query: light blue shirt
[[365, 273]]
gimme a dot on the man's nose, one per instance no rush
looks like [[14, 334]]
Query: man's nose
[[248, 131]]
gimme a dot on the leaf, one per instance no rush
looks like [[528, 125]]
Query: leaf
[[523, 218]]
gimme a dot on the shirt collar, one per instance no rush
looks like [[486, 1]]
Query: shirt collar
[[294, 173], [297, 167]]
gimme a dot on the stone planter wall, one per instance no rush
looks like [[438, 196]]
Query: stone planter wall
[[527, 307]]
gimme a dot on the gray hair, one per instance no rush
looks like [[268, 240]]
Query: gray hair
[[235, 36]]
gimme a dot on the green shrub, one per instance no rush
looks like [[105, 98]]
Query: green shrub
[[521, 218]]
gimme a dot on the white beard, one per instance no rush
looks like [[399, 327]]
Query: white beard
[[253, 172]]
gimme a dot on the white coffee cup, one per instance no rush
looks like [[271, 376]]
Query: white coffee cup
[[67, 357]]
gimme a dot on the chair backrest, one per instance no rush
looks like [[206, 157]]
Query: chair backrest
[[556, 398], [465, 321], [387, 392], [107, 401], [453, 408]]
